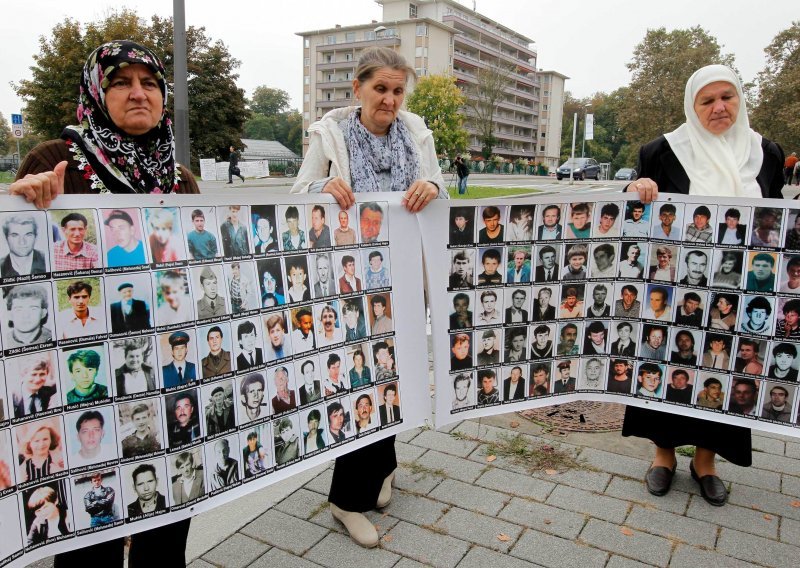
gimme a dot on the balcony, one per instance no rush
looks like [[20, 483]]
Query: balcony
[[337, 65], [481, 27], [391, 41], [335, 84], [334, 103]]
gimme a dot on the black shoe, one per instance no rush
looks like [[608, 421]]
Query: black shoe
[[230, 182], [658, 479], [711, 487]]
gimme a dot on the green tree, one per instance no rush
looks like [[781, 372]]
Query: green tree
[[661, 65], [5, 136], [438, 100], [268, 101], [775, 114], [272, 119], [216, 106], [483, 98]]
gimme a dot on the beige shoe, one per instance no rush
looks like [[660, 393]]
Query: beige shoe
[[386, 492], [361, 530]]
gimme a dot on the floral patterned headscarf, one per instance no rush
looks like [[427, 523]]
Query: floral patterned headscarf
[[111, 159]]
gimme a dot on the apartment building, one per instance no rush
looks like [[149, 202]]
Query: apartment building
[[439, 36], [551, 118]]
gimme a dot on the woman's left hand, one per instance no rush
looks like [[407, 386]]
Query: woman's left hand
[[419, 195]]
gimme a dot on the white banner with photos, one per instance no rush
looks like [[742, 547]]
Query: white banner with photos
[[162, 355], [681, 305]]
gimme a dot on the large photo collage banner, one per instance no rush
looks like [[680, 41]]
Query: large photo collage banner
[[679, 305], [160, 357]]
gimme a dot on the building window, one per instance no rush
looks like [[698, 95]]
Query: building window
[[544, 107], [306, 43], [421, 71], [370, 35], [544, 135], [412, 11], [328, 96], [348, 56], [306, 98], [547, 93], [422, 52], [422, 30], [305, 133], [306, 62], [331, 39], [330, 77], [306, 80], [306, 115], [347, 95], [541, 148], [350, 37]]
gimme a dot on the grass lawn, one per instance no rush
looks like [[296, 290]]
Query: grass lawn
[[481, 191], [6, 177]]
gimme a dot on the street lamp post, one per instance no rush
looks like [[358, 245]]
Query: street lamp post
[[181, 87], [583, 144]]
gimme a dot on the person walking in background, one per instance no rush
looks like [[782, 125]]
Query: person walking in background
[[233, 165], [789, 167], [463, 173]]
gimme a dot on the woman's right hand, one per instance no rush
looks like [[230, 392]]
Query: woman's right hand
[[647, 188], [341, 192], [41, 189]]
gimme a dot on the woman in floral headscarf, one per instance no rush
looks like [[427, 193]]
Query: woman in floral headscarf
[[122, 144], [123, 140]]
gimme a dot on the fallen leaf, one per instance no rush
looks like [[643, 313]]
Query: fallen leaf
[[502, 537], [626, 531], [514, 424], [490, 459], [767, 517], [547, 448], [387, 538], [550, 471], [795, 504], [547, 521]]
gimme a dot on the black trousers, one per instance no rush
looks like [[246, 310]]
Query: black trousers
[[163, 547], [358, 476]]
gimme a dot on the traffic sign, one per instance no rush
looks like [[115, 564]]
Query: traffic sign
[[16, 119], [18, 132]]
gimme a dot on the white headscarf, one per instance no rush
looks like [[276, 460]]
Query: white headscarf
[[719, 165]]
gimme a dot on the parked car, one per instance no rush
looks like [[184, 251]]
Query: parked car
[[625, 173], [584, 168]]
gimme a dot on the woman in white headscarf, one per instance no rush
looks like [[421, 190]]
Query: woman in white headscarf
[[714, 153]]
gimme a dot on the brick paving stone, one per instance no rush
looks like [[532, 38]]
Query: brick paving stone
[[756, 476], [415, 509], [515, 484], [407, 453], [443, 442], [780, 464], [766, 501], [339, 551], [197, 563], [236, 551], [457, 468], [634, 490], [302, 503], [479, 529], [278, 557], [734, 517], [479, 557], [472, 429], [382, 520], [768, 445], [793, 450], [620, 562], [671, 526], [790, 532], [639, 546], [600, 506], [408, 563], [469, 496], [285, 531], [425, 546], [544, 518], [690, 557], [449, 427], [321, 483], [554, 552], [757, 549], [615, 463], [790, 485], [596, 481], [421, 482], [408, 435]]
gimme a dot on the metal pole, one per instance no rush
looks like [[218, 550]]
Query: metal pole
[[583, 144], [572, 155], [181, 83]]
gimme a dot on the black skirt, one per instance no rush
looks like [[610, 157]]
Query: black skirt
[[667, 430], [358, 476]]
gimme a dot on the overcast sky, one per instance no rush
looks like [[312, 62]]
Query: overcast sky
[[589, 41]]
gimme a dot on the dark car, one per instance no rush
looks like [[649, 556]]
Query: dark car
[[625, 173], [584, 168]]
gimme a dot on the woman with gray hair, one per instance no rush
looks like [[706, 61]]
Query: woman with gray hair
[[374, 147]]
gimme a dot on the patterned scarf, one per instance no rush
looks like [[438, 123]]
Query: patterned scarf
[[111, 159], [370, 155]]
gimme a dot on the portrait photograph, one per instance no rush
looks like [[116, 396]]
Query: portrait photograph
[[373, 221], [28, 315], [576, 262], [723, 310], [165, 239], [515, 382], [518, 301], [490, 269], [328, 323], [787, 316], [620, 376], [377, 268], [187, 476], [145, 487], [209, 291], [5, 413], [659, 302], [202, 238], [565, 375], [595, 337], [607, 220], [81, 308], [134, 365], [214, 350], [519, 265], [256, 444], [264, 229], [319, 226], [549, 224], [297, 284], [717, 351], [314, 429], [129, 300], [650, 379], [96, 499], [359, 366], [767, 223], [636, 223], [541, 374], [248, 346], [757, 315], [321, 274], [242, 285], [777, 401], [277, 341], [668, 221], [91, 436], [354, 318], [123, 237], [680, 385], [761, 271], [302, 323], [139, 428], [542, 340], [182, 411], [385, 359], [308, 372], [623, 338], [784, 361], [685, 346], [463, 390], [792, 239], [24, 244], [234, 230], [520, 223], [219, 407], [700, 230], [727, 269], [663, 265], [347, 270], [628, 299], [85, 374], [7, 478], [690, 307], [789, 275], [548, 263], [340, 419], [78, 244], [292, 228], [653, 341], [271, 282], [462, 269], [40, 448], [223, 462], [178, 357], [579, 220], [461, 228], [32, 382], [572, 301], [251, 390], [604, 260], [593, 374], [744, 396], [632, 260], [173, 298], [389, 403], [598, 304], [10, 525], [545, 302], [364, 411], [570, 337], [751, 355], [286, 439], [461, 306], [693, 266], [345, 233], [380, 313], [488, 347], [46, 510], [732, 225]]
